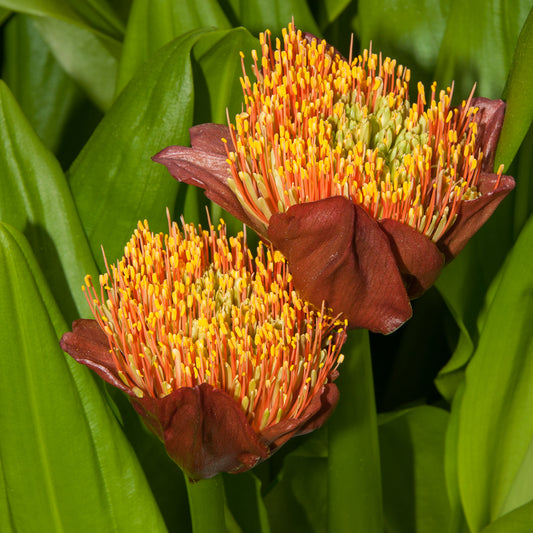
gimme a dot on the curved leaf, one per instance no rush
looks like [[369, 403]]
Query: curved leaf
[[89, 59], [95, 15], [66, 464], [412, 460], [114, 180], [48, 97], [519, 112], [36, 200], [495, 454], [259, 15], [153, 23], [480, 53], [353, 461], [409, 31]]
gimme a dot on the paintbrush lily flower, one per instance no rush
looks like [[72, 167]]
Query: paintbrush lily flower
[[367, 194], [218, 354]]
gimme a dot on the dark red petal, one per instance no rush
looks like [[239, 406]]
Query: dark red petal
[[207, 169], [88, 344], [314, 415], [489, 119], [204, 430], [472, 214], [208, 137], [418, 258], [338, 254]]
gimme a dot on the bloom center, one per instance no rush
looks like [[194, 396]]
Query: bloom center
[[196, 307], [316, 125]]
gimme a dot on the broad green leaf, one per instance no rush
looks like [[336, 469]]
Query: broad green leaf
[[464, 283], [91, 60], [329, 11], [114, 180], [495, 452], [4, 14], [481, 52], [519, 112], [259, 15], [297, 499], [66, 465], [517, 521], [457, 521], [218, 71], [523, 197], [153, 23], [354, 479], [95, 15], [36, 200], [49, 98], [409, 31], [412, 462]]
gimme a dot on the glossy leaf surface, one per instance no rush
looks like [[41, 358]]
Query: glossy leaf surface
[[57, 421]]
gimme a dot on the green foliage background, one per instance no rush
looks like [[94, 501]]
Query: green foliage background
[[90, 91]]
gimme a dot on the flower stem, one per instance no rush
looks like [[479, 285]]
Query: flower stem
[[206, 503], [354, 464]]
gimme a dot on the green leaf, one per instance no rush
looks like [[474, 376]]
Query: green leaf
[[412, 461], [495, 452], [517, 521], [409, 31], [154, 23], [463, 285], [329, 11], [90, 60], [36, 200], [259, 15], [457, 521], [66, 465], [480, 52], [354, 479], [94, 15], [523, 196], [48, 97], [114, 180], [519, 112], [218, 70], [291, 504]]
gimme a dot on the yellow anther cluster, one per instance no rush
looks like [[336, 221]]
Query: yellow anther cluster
[[192, 307], [317, 125]]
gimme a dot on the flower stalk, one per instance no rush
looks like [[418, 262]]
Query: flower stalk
[[207, 505]]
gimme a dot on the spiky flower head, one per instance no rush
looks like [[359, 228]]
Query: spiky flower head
[[194, 311], [316, 125], [366, 193]]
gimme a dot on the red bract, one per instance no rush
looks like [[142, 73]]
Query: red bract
[[366, 194], [220, 357]]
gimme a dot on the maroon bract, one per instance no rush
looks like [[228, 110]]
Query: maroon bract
[[417, 177], [219, 355]]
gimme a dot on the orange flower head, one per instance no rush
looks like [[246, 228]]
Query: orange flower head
[[316, 125], [365, 193], [195, 311]]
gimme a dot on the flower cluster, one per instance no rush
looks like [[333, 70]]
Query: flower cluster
[[220, 356], [365, 193]]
